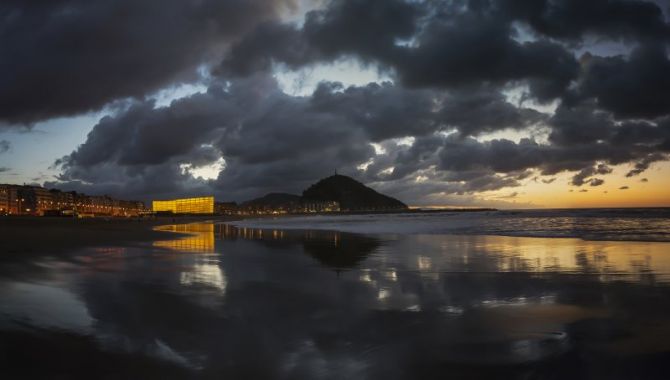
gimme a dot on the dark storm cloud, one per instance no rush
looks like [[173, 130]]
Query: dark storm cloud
[[499, 155], [160, 181], [424, 44], [253, 124], [637, 86], [468, 49], [254, 53], [505, 156], [4, 146], [580, 125], [260, 131], [405, 160], [573, 19], [481, 110], [385, 110], [390, 111], [274, 141], [145, 135], [66, 57], [271, 140], [366, 29], [452, 65], [448, 44], [451, 42]]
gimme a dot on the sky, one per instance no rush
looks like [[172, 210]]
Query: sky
[[495, 103]]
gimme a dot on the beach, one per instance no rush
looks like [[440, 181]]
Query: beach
[[39, 235], [212, 299]]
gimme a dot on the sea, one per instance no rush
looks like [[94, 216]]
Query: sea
[[628, 224], [528, 294]]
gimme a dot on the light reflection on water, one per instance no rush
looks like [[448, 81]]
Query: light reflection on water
[[198, 237], [253, 303], [620, 261]]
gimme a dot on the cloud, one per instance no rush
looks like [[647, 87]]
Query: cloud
[[504, 156], [584, 175], [460, 77], [67, 57], [637, 86], [580, 125], [624, 188], [4, 146], [486, 53], [270, 140], [510, 195], [261, 134], [367, 29], [428, 44], [473, 111], [642, 165], [422, 44], [573, 20], [257, 129], [596, 182]]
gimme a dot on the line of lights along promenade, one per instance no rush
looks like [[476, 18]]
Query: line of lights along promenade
[[39, 201], [207, 205]]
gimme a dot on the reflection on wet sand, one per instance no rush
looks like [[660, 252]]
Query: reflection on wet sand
[[205, 272], [198, 237], [248, 303], [333, 249], [611, 261]]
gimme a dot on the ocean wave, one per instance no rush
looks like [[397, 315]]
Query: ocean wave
[[589, 224]]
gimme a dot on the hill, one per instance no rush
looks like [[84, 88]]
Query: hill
[[351, 194], [273, 201]]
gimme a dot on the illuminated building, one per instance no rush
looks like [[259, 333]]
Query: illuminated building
[[9, 199], [38, 201], [62, 200], [199, 205]]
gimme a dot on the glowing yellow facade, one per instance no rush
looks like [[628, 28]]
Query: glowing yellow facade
[[200, 205]]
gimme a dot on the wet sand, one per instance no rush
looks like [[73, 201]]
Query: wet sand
[[33, 235], [223, 302]]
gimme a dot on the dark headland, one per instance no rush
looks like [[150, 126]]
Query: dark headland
[[349, 195], [345, 193]]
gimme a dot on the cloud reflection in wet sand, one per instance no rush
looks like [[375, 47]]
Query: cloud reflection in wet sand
[[305, 304]]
